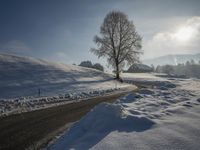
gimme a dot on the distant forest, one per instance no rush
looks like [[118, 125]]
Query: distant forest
[[189, 69]]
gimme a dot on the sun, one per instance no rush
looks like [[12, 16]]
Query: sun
[[184, 34]]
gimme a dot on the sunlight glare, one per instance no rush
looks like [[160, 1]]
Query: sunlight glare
[[184, 34]]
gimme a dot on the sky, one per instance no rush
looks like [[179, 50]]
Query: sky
[[63, 30]]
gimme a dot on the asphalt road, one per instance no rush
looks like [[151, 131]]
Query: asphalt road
[[35, 129]]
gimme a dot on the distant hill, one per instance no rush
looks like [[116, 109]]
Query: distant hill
[[172, 59], [139, 68], [24, 76]]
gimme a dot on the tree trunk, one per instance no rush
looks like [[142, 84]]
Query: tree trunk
[[117, 75], [117, 71]]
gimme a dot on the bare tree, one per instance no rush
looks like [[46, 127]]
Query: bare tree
[[118, 41]]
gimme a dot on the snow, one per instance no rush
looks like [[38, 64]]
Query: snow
[[153, 118], [26, 104], [111, 117], [141, 76], [22, 77]]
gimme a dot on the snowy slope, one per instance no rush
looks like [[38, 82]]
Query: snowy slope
[[152, 119], [23, 76]]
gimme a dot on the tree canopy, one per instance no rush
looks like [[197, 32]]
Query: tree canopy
[[119, 41]]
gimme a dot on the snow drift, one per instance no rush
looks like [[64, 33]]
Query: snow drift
[[98, 123], [156, 118]]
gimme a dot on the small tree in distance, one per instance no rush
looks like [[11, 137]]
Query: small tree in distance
[[98, 67], [89, 64], [119, 42]]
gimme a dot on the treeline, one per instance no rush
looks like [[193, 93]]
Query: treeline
[[89, 64], [189, 69]]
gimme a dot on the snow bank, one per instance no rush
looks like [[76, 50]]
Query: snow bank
[[153, 118], [26, 104], [99, 122]]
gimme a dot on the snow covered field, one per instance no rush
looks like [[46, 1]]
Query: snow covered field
[[22, 77], [163, 117]]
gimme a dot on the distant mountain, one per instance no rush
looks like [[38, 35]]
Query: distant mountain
[[172, 59], [24, 76]]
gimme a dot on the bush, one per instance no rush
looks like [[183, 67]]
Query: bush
[[98, 67], [89, 64]]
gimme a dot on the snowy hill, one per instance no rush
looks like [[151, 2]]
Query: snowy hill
[[23, 76], [172, 59]]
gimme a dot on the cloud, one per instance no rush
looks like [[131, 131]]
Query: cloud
[[14, 46], [180, 39]]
